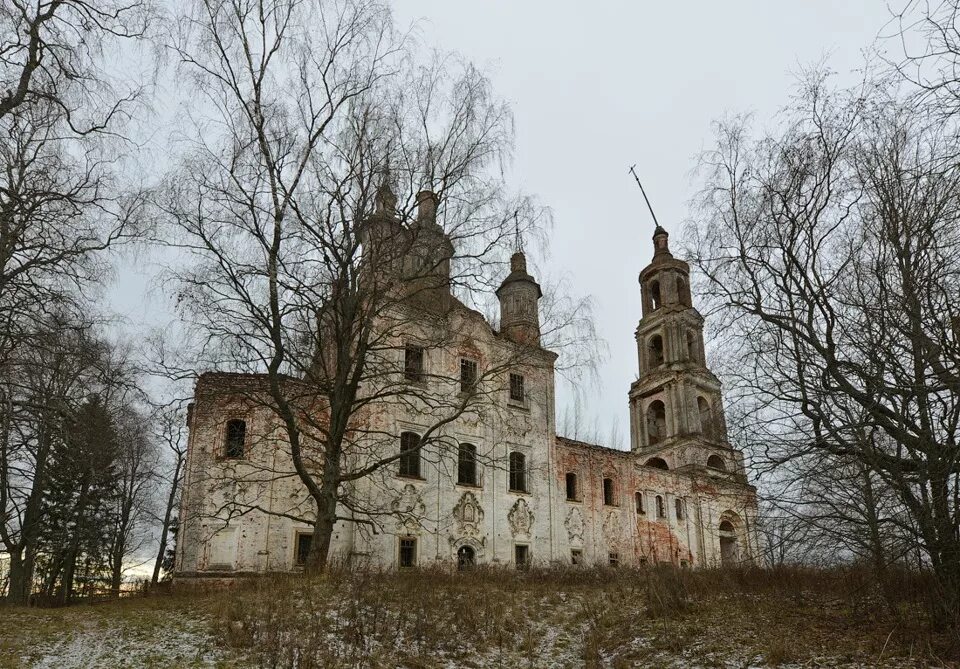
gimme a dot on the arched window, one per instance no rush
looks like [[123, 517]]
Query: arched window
[[518, 472], [716, 462], [409, 454], [661, 509], [638, 499], [693, 350], [236, 437], [655, 351], [678, 503], [655, 294], [656, 422], [706, 418], [683, 292], [572, 486], [608, 497], [729, 544], [467, 464], [657, 463]]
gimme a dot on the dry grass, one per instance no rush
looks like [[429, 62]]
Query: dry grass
[[658, 617]]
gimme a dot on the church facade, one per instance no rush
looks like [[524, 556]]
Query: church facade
[[501, 487]]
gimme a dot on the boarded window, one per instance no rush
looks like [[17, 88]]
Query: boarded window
[[638, 499], [223, 550], [467, 464], [408, 553], [608, 492], [516, 388], [521, 556], [518, 472], [468, 375], [236, 438], [304, 540], [409, 454], [661, 509], [571, 486], [413, 363]]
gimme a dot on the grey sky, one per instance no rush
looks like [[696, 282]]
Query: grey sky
[[598, 86]]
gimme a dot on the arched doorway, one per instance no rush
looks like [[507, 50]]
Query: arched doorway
[[466, 558], [729, 545]]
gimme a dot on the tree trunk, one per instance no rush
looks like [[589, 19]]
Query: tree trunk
[[18, 588], [167, 516], [322, 530]]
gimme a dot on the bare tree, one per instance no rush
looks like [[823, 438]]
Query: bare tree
[[171, 427], [307, 268], [831, 248]]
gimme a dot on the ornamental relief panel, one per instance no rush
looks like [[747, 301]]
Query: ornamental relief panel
[[409, 508], [469, 515], [521, 518], [574, 525]]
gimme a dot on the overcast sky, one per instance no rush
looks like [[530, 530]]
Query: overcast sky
[[599, 86]]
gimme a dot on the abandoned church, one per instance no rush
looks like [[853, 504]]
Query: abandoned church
[[492, 482]]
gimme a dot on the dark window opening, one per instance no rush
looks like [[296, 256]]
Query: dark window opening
[[516, 388], [661, 509], [657, 463], [678, 503], [655, 347], [521, 556], [408, 553], [656, 422], [236, 438], [409, 454], [304, 540], [638, 498], [468, 375], [614, 559], [655, 294], [576, 557], [467, 464], [518, 472], [608, 492], [572, 486], [413, 363], [716, 462]]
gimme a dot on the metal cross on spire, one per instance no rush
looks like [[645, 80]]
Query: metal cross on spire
[[633, 171], [516, 224]]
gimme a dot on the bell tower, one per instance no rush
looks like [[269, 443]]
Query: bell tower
[[676, 413]]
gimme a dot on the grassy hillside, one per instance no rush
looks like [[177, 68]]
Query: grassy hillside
[[495, 618]]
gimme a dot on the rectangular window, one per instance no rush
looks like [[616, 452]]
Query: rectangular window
[[304, 539], [678, 503], [409, 454], [467, 464], [572, 486], [468, 375], [518, 472], [521, 556], [608, 492], [236, 437], [638, 497], [576, 557], [413, 363], [516, 388], [614, 559], [408, 553], [661, 509]]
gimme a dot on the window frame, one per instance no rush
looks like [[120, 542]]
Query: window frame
[[463, 448], [661, 507], [411, 455], [412, 541], [298, 534], [520, 472], [679, 509], [524, 564], [517, 380], [639, 504], [228, 439], [468, 385], [417, 374], [576, 487]]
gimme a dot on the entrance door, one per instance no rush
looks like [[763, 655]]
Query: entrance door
[[466, 557], [729, 548]]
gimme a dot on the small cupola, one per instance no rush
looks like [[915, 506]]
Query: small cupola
[[519, 296], [666, 280]]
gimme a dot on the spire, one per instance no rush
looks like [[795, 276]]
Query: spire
[[661, 247], [385, 199]]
